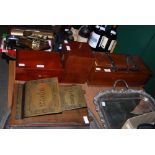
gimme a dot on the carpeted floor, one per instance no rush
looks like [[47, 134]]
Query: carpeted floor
[[3, 83], [3, 91]]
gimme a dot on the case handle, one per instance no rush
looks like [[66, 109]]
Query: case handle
[[120, 80], [114, 68]]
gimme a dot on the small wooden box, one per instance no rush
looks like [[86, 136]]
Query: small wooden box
[[32, 65], [78, 62], [104, 73]]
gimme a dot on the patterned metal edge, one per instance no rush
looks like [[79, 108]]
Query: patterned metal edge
[[117, 92]]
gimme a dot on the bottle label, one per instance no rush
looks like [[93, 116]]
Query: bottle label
[[111, 45], [113, 32], [94, 40], [104, 42], [65, 41], [75, 33], [66, 30]]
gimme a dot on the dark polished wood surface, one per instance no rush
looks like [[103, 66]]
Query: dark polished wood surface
[[99, 76], [80, 64], [50, 62]]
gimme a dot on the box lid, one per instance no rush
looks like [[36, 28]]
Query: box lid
[[38, 59], [78, 49], [121, 62]]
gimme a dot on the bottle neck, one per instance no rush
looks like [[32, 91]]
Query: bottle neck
[[84, 31], [76, 26], [114, 28]]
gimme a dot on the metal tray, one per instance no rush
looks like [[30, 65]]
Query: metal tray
[[115, 106]]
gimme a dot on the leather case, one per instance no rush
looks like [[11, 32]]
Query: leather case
[[110, 67]]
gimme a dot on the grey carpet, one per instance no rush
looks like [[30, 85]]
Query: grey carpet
[[4, 111]]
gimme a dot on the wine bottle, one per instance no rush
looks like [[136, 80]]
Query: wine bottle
[[68, 35], [103, 30], [108, 39], [84, 33], [75, 31], [12, 42], [94, 38], [3, 41]]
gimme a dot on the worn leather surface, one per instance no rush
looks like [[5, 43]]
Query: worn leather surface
[[72, 97], [41, 97]]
